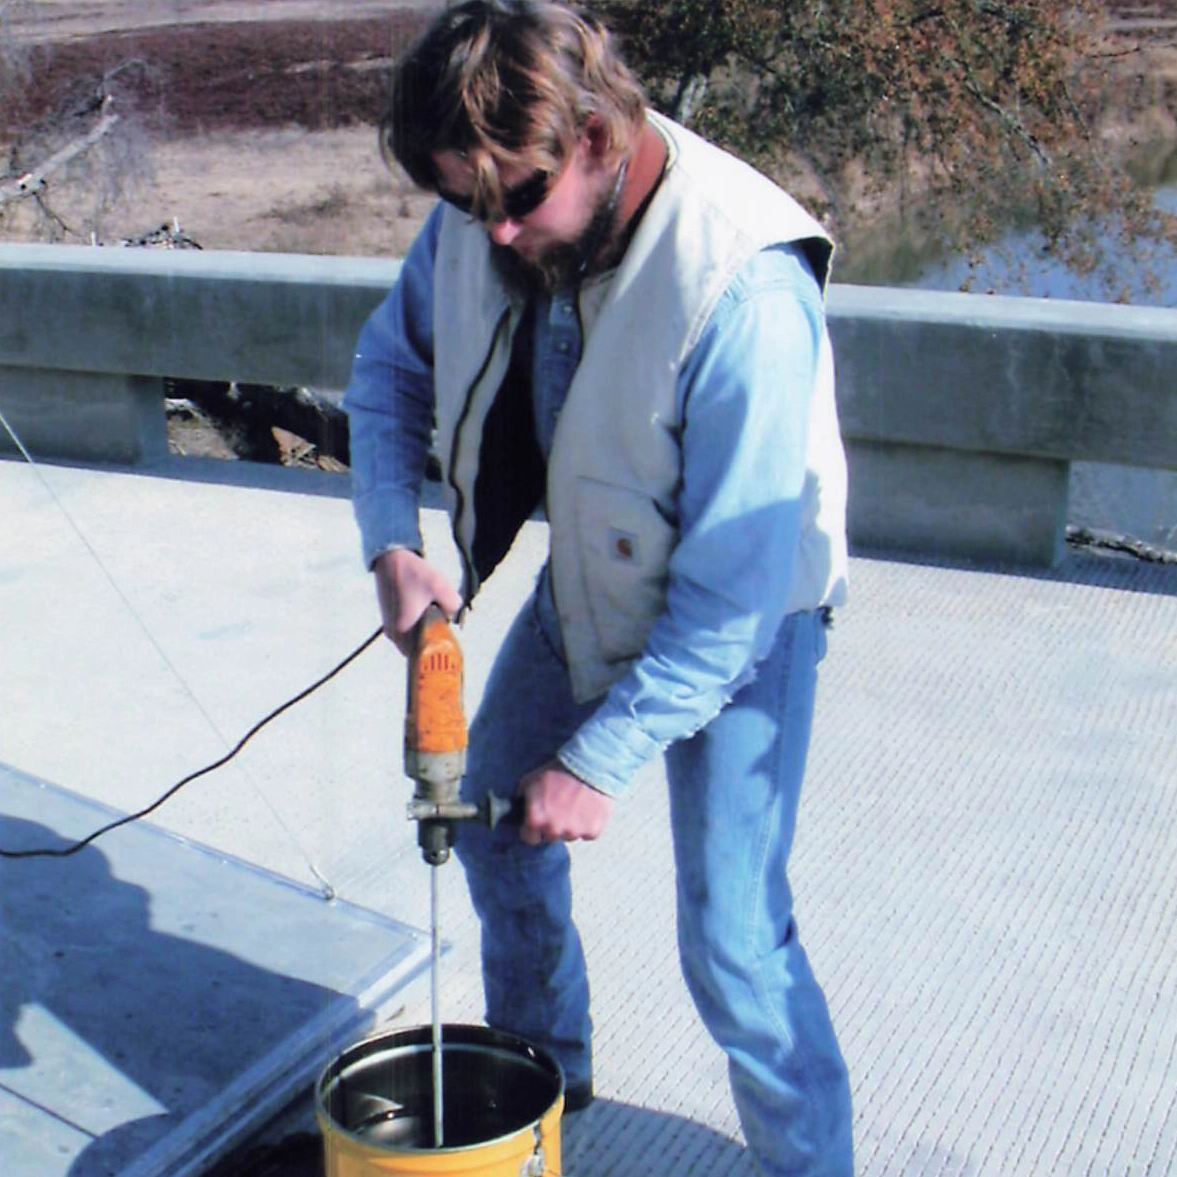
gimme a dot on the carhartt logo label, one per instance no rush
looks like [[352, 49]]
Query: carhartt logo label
[[623, 545]]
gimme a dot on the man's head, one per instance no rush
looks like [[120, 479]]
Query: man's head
[[519, 111]]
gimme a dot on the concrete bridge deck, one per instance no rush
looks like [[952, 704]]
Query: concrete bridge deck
[[984, 867]]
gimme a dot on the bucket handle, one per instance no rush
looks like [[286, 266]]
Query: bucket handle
[[535, 1166]]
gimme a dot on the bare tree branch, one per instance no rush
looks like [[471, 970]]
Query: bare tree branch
[[35, 181], [51, 214]]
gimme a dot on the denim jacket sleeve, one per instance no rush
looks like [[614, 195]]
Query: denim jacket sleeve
[[745, 391], [389, 403]]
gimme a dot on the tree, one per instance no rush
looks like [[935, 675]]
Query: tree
[[63, 171], [958, 116]]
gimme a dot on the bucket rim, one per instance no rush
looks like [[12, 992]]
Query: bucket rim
[[459, 1034]]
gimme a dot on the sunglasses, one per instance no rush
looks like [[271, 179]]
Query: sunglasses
[[519, 201]]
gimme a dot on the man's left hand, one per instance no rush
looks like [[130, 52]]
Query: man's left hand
[[561, 807]]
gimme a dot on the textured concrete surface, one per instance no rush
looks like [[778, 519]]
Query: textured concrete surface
[[983, 868]]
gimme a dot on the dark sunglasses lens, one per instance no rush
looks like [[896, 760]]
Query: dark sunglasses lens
[[526, 197], [518, 202]]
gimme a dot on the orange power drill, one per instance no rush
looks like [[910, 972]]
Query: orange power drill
[[435, 741]]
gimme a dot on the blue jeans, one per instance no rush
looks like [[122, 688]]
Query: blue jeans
[[734, 788]]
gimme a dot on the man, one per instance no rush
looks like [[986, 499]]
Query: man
[[609, 317]]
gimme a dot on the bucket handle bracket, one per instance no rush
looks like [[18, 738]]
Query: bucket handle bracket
[[535, 1166]]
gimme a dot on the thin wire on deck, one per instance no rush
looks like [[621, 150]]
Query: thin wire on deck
[[64, 852]]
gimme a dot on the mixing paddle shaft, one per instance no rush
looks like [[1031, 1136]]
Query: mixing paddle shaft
[[438, 1098]]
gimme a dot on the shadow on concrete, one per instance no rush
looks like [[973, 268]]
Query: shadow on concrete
[[1117, 570], [606, 1138], [112, 1032], [1080, 565], [297, 1155]]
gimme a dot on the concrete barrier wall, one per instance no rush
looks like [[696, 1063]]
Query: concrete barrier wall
[[961, 412]]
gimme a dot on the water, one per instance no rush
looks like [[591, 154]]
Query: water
[[1019, 265]]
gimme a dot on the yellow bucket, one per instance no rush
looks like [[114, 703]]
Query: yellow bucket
[[501, 1104]]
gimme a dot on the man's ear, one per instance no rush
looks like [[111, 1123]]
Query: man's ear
[[596, 138]]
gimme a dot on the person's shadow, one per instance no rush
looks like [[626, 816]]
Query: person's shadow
[[613, 1137], [113, 1033]]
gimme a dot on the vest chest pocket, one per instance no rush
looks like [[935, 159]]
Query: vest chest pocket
[[624, 545]]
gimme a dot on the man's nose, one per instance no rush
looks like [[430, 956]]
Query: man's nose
[[503, 232]]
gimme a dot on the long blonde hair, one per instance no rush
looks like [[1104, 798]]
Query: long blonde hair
[[508, 83]]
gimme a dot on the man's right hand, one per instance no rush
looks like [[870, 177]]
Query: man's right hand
[[406, 585]]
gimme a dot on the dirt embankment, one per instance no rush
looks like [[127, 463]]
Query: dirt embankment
[[254, 134], [228, 75], [1142, 46]]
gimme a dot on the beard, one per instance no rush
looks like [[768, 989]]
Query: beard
[[561, 265]]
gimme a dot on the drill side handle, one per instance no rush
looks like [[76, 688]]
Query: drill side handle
[[496, 810], [492, 811]]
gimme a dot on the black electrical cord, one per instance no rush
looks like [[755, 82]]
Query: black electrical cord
[[253, 731]]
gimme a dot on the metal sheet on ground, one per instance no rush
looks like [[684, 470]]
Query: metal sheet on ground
[[159, 1001]]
